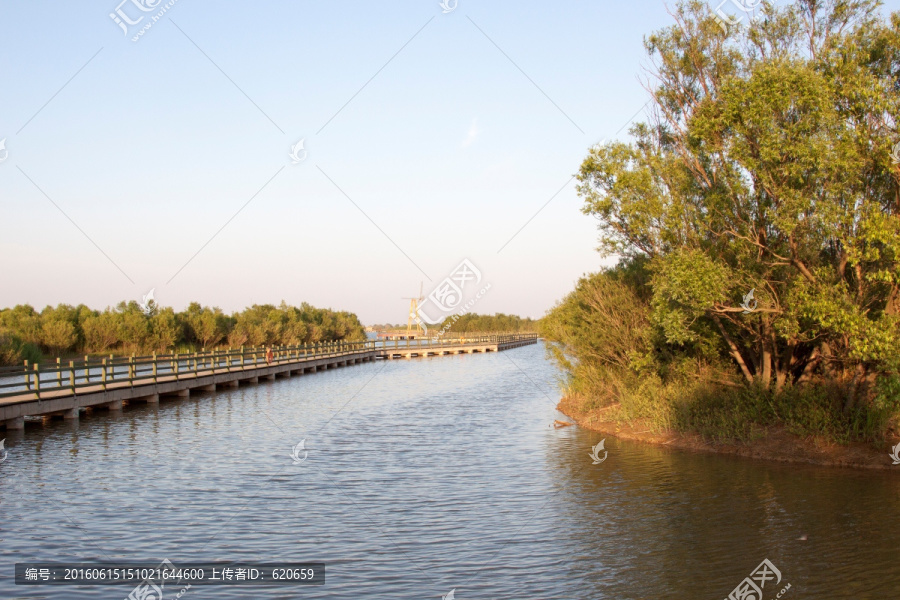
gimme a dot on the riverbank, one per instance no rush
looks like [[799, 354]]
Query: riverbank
[[774, 443]]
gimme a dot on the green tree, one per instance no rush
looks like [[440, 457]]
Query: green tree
[[205, 326], [766, 167], [101, 331], [22, 322], [13, 351], [165, 330], [59, 328], [134, 329]]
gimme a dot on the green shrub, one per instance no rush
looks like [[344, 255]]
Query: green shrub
[[14, 352]]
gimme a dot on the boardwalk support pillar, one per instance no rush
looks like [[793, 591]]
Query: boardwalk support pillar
[[17, 423]]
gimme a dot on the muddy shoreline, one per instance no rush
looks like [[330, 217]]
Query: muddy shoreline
[[777, 444]]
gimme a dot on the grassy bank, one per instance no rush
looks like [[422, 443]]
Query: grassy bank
[[772, 441], [718, 413]]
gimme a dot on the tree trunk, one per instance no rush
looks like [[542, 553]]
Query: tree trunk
[[858, 376], [814, 359], [735, 353], [766, 377], [783, 366], [765, 356]]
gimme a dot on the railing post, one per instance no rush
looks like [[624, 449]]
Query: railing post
[[132, 370], [155, 367], [37, 380], [58, 372], [27, 376], [103, 371], [177, 365], [72, 375]]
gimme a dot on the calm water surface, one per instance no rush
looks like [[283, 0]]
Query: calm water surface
[[430, 475]]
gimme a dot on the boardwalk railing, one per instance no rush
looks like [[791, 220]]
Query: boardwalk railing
[[36, 380]]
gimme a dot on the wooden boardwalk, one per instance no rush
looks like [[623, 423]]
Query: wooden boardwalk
[[109, 383]]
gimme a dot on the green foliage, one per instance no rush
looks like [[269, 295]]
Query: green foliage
[[204, 327], [686, 285], [471, 323], [14, 351], [22, 322], [602, 334], [126, 328], [101, 331], [766, 167], [59, 328]]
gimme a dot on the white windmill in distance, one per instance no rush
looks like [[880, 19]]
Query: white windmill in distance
[[413, 312]]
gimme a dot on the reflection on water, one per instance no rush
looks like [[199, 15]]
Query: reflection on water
[[428, 475]]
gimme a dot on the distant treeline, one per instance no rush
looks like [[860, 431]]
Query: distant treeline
[[470, 323], [26, 334]]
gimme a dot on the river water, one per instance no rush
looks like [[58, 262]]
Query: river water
[[430, 475]]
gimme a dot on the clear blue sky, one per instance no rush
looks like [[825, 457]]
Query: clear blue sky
[[449, 149]]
